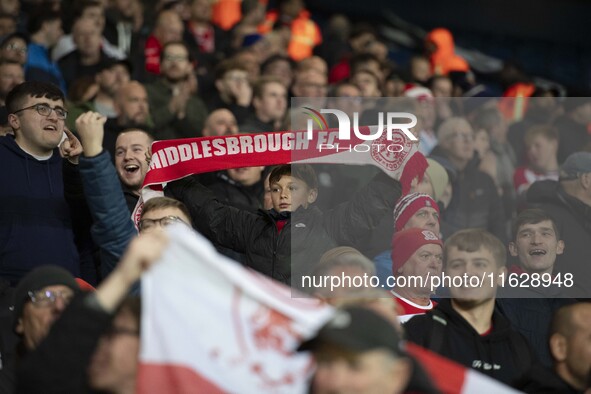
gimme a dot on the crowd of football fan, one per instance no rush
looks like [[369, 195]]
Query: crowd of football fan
[[506, 194]]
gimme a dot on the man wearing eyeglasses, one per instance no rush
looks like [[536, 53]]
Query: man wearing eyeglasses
[[14, 48], [38, 301], [35, 222], [99, 330]]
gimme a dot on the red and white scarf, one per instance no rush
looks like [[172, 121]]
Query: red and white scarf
[[176, 159]]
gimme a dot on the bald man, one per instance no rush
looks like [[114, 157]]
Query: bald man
[[570, 346], [220, 122], [133, 112], [475, 202]]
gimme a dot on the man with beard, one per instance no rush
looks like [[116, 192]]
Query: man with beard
[[176, 109], [133, 111], [467, 328], [570, 331]]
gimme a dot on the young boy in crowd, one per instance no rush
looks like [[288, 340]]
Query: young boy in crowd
[[286, 241]]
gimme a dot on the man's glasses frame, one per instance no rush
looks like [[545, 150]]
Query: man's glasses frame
[[17, 48], [44, 298], [45, 110], [164, 221]]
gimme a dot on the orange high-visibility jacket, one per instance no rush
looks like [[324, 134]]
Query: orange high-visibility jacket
[[305, 34], [444, 59], [226, 13], [515, 100]]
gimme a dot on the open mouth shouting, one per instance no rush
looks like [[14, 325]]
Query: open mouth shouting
[[537, 252], [50, 127], [131, 168]]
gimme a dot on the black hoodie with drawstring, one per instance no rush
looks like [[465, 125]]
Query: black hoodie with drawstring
[[503, 354], [35, 223]]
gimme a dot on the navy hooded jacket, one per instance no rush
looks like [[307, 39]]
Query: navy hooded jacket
[[35, 225]]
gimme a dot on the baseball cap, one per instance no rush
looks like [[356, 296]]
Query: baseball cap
[[357, 329], [574, 165]]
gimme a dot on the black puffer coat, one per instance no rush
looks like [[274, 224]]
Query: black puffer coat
[[307, 234]]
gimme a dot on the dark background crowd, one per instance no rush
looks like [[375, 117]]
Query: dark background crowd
[[505, 124]]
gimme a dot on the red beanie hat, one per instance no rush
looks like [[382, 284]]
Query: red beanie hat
[[408, 205], [406, 242]]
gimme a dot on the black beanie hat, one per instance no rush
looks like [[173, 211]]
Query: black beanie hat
[[38, 278]]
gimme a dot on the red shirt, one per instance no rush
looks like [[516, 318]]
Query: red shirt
[[280, 224], [152, 54], [524, 177]]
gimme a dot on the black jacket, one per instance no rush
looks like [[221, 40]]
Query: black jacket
[[530, 311], [247, 198], [542, 380], [73, 69], [504, 354], [214, 101], [574, 221], [307, 234], [235, 194]]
